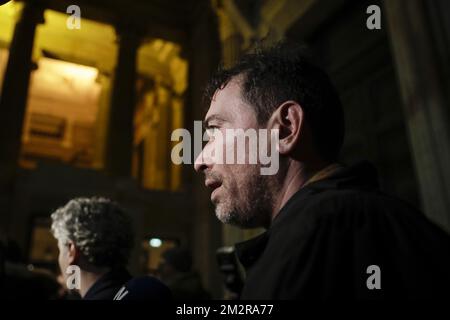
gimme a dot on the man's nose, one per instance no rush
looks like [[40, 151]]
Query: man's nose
[[200, 164]]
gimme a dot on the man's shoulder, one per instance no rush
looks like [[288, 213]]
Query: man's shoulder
[[337, 234], [354, 211], [355, 197], [144, 288], [332, 204]]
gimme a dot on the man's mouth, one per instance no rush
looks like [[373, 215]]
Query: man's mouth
[[213, 185]]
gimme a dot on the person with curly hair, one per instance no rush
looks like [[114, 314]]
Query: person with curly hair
[[95, 236]]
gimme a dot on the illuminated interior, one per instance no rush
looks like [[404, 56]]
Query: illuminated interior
[[61, 113], [68, 102]]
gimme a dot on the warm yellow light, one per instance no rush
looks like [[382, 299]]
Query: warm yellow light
[[69, 70], [8, 16], [11, 9]]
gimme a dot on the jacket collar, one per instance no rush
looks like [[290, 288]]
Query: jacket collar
[[110, 280]]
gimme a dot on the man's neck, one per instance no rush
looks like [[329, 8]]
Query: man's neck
[[88, 279], [296, 176]]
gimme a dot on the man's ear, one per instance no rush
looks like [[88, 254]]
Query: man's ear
[[288, 118], [72, 253]]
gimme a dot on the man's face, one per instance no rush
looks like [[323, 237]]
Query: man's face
[[63, 258], [241, 195]]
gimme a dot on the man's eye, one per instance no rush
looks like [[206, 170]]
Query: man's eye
[[211, 131]]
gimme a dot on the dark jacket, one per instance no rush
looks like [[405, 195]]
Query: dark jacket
[[187, 286], [324, 240], [144, 288], [119, 285], [107, 286]]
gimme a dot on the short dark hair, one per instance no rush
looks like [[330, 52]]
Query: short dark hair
[[283, 72]]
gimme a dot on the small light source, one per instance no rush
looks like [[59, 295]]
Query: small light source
[[155, 242]]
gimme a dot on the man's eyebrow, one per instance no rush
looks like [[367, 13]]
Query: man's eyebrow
[[211, 118]]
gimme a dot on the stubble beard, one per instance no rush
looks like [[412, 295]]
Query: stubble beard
[[249, 203]]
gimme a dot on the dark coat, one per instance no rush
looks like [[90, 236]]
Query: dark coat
[[119, 285], [107, 286], [323, 240]]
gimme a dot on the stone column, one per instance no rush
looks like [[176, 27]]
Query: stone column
[[424, 101], [123, 100], [13, 99]]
